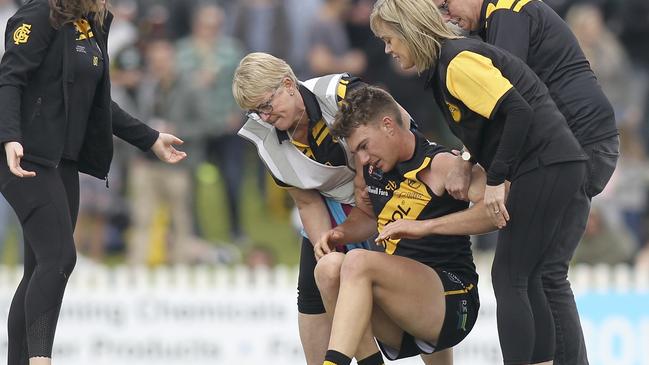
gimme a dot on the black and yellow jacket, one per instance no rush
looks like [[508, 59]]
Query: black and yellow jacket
[[532, 31], [36, 74], [471, 81]]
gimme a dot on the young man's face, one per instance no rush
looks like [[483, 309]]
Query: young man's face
[[373, 144]]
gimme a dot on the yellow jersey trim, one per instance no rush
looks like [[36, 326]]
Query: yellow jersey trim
[[408, 200]]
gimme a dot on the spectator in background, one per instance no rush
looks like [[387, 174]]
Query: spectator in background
[[162, 102], [301, 14], [207, 60], [330, 50], [609, 61], [627, 199], [604, 243], [263, 26], [98, 205], [126, 60]]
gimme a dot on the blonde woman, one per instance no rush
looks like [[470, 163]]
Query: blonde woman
[[509, 124], [289, 123]]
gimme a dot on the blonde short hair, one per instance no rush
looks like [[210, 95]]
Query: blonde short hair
[[418, 23], [258, 73]]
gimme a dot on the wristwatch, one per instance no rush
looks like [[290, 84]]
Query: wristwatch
[[466, 156]]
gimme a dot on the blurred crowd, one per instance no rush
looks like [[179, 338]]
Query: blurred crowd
[[172, 64]]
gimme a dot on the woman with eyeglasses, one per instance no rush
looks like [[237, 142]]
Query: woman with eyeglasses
[[509, 124], [289, 123]]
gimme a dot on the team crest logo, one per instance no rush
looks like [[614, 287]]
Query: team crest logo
[[391, 185], [455, 112], [21, 34]]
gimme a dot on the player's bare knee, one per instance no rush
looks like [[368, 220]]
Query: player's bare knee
[[327, 271], [356, 264]]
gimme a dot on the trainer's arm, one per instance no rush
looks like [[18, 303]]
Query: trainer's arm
[[313, 212], [358, 227]]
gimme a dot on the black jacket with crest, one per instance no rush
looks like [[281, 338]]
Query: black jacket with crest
[[36, 74]]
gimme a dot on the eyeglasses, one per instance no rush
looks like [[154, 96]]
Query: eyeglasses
[[266, 107], [443, 8]]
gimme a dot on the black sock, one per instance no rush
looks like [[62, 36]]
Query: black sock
[[334, 357], [375, 359]]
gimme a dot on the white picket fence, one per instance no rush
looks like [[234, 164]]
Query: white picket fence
[[237, 316]]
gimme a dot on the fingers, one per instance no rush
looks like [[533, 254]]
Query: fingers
[[317, 251], [13, 161], [177, 141], [498, 214], [503, 210], [389, 232]]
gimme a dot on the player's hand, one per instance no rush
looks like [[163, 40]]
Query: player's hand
[[327, 242], [402, 228], [164, 148], [458, 179], [14, 152], [494, 200]]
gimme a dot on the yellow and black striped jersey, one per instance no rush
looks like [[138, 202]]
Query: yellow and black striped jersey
[[533, 32], [399, 194], [322, 146], [470, 81]]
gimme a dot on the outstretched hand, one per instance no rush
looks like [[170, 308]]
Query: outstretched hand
[[164, 148], [14, 152]]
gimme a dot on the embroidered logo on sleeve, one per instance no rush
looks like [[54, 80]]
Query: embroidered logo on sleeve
[[21, 34]]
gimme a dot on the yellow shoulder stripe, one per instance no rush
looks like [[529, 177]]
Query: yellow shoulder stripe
[[506, 4], [501, 4], [473, 79]]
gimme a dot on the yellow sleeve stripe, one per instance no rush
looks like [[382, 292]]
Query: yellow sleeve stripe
[[473, 79], [501, 4], [520, 5], [506, 4]]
